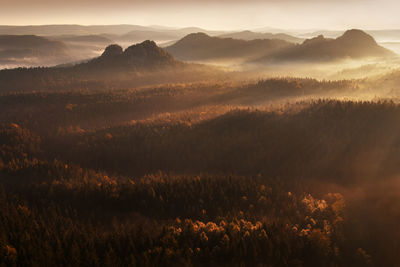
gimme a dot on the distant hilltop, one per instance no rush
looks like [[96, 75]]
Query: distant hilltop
[[200, 46], [353, 44], [144, 55]]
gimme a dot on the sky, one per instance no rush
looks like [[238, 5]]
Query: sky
[[209, 14]]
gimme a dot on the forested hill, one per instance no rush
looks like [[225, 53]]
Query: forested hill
[[144, 56]]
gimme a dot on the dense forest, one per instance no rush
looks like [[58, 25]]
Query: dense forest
[[200, 174]]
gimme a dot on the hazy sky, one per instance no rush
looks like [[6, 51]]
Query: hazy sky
[[217, 14]]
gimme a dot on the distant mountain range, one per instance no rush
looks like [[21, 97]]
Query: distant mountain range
[[378, 35], [79, 42], [246, 46], [48, 30], [200, 46], [90, 39], [249, 35], [123, 31], [30, 49], [140, 35], [158, 35], [353, 44]]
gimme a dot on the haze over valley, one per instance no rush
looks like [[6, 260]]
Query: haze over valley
[[244, 51]]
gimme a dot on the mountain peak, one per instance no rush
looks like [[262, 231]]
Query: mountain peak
[[112, 50], [146, 53], [195, 36], [357, 36], [142, 55], [316, 40], [145, 44]]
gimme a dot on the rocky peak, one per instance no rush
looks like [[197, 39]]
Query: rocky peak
[[112, 51]]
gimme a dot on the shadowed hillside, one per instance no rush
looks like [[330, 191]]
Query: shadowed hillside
[[91, 109], [321, 141]]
